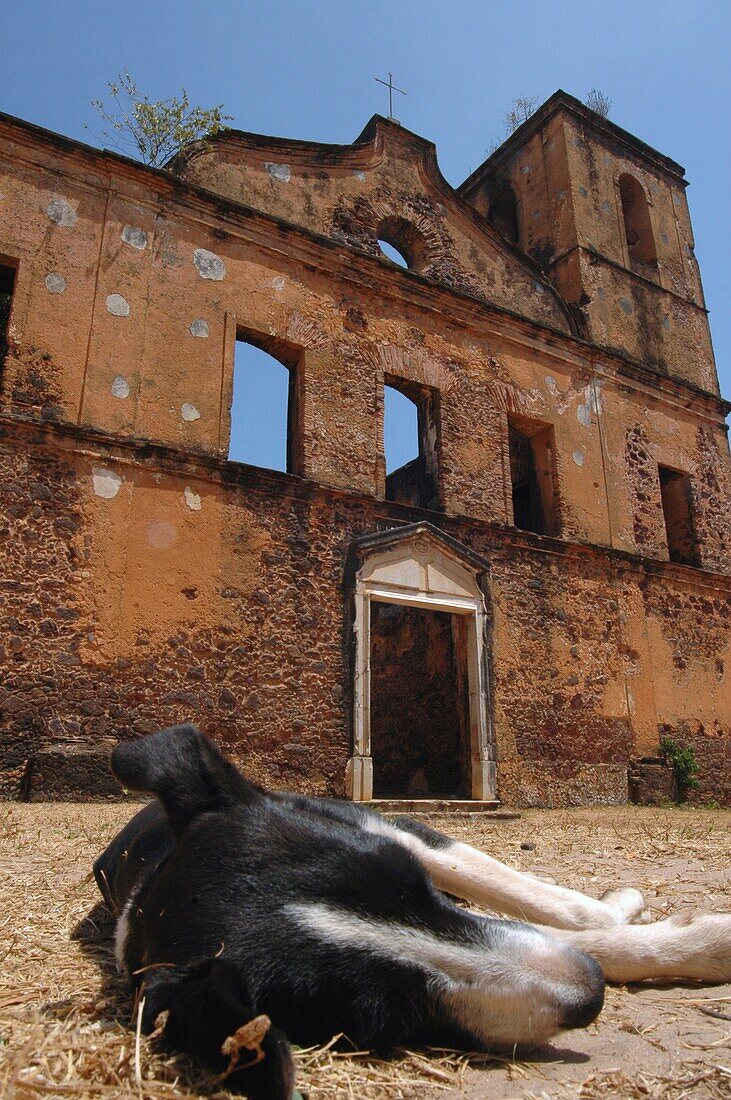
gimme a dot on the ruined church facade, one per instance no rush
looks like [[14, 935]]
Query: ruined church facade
[[519, 614]]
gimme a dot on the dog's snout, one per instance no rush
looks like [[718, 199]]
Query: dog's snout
[[588, 999]]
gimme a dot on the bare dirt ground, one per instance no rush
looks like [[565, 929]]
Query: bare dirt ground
[[65, 1027]]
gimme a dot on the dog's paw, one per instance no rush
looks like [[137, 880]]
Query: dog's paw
[[628, 903]]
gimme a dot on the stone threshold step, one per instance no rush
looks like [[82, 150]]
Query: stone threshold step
[[441, 806]]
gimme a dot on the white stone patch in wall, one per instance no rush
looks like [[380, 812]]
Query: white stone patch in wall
[[359, 174], [199, 328], [538, 287], [210, 266], [189, 412], [281, 172], [192, 499], [120, 387], [592, 404], [117, 305], [279, 282], [62, 213], [583, 192], [134, 237], [551, 386], [55, 283], [578, 457], [106, 483], [161, 534]]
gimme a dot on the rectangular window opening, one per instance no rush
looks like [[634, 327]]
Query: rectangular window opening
[[265, 429], [676, 496], [536, 505], [7, 286], [412, 443]]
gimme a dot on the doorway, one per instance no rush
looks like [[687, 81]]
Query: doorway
[[421, 718], [419, 703]]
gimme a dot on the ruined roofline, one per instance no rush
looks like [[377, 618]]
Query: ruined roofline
[[367, 140], [214, 205], [562, 101], [333, 154]]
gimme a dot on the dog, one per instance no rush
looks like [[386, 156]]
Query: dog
[[247, 919]]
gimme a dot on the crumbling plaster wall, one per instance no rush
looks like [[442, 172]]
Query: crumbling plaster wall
[[147, 582], [154, 589], [347, 192], [147, 351]]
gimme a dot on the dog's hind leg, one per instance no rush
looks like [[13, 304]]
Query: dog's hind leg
[[685, 946], [467, 873]]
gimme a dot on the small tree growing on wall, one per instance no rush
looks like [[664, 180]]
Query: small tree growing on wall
[[598, 102], [518, 112], [154, 130]]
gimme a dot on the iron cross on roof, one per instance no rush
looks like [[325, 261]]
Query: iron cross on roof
[[391, 89]]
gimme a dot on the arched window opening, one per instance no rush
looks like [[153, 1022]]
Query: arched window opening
[[264, 407], [637, 225], [503, 214], [402, 243], [533, 476], [411, 443]]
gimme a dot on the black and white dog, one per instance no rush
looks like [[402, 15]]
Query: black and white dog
[[238, 907]]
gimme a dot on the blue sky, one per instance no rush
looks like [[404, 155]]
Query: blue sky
[[306, 70]]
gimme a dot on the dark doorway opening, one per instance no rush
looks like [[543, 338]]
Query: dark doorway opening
[[676, 497], [533, 477], [420, 722], [7, 286]]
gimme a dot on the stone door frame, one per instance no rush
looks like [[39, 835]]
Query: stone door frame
[[419, 566]]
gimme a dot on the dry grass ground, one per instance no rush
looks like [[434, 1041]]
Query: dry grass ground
[[65, 1027]]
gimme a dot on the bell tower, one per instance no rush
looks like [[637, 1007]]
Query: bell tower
[[607, 219]]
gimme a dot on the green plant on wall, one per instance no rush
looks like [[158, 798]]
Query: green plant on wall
[[154, 130], [681, 760]]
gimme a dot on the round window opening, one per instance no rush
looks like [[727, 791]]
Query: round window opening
[[402, 243], [392, 253]]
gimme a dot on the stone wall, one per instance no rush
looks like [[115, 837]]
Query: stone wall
[[218, 594]]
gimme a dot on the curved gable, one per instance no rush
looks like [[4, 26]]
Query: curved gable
[[386, 184]]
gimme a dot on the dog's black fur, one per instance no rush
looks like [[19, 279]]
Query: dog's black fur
[[204, 875]]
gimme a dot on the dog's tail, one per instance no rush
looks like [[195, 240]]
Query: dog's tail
[[184, 770]]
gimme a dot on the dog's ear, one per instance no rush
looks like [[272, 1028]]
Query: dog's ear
[[184, 769], [206, 1003]]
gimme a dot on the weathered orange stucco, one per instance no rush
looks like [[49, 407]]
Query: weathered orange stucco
[[148, 580]]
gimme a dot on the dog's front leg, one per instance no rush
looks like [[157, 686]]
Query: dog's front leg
[[684, 946]]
